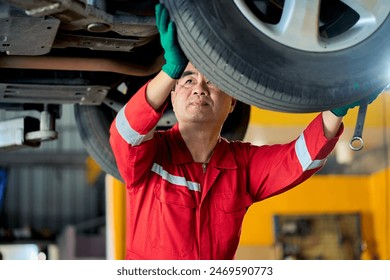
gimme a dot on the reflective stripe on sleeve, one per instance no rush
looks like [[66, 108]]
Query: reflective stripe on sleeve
[[131, 136], [304, 156], [173, 179]]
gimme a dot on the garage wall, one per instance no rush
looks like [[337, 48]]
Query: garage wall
[[367, 195], [48, 198], [47, 187]]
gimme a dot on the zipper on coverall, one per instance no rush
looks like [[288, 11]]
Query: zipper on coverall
[[204, 167]]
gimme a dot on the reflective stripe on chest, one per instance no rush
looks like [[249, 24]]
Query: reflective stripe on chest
[[173, 179]]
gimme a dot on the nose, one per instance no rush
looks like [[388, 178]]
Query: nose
[[201, 87]]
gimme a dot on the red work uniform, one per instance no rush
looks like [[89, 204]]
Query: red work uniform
[[181, 209]]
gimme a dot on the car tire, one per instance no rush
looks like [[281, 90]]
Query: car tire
[[93, 124], [220, 41]]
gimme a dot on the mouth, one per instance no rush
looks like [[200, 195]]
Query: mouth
[[199, 102]]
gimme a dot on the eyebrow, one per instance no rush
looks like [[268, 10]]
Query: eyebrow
[[187, 73]]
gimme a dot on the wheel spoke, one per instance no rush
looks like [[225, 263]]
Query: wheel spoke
[[299, 22], [365, 10]]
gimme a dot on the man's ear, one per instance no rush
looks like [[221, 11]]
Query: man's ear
[[233, 104], [173, 94]]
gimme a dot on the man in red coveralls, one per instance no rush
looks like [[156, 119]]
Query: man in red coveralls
[[188, 188]]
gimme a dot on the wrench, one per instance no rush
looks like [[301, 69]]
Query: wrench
[[357, 143]]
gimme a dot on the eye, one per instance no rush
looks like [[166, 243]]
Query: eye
[[210, 83], [187, 81]]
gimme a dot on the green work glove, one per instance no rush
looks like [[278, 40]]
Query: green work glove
[[175, 60], [342, 111]]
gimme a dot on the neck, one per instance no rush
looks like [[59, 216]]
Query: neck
[[201, 143]]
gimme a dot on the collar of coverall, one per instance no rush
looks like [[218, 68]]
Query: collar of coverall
[[222, 157]]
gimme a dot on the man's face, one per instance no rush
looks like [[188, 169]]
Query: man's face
[[196, 99]]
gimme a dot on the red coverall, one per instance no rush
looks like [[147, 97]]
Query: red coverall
[[180, 209]]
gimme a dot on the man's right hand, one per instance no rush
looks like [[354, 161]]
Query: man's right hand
[[175, 60]]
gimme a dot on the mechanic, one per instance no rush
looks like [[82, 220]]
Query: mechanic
[[188, 188]]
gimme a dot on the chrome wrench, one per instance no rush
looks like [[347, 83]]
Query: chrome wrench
[[357, 143]]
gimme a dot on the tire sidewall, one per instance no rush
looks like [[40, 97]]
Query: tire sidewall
[[257, 70]]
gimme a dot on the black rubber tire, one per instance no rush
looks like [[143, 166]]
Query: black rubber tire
[[250, 66], [93, 123]]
